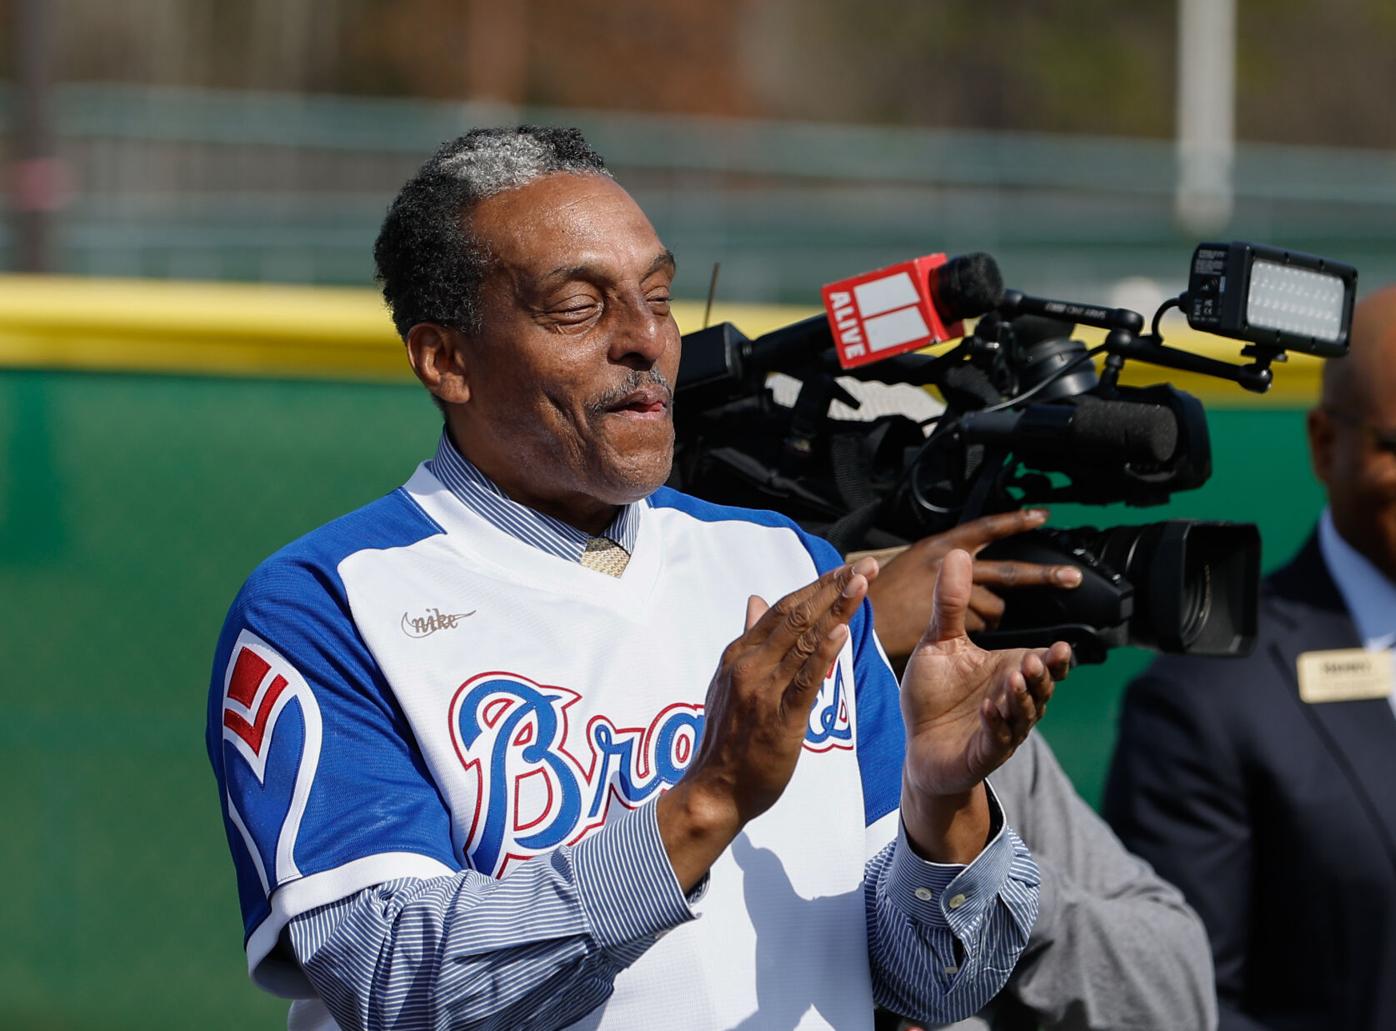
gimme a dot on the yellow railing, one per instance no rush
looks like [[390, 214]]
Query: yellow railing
[[234, 329]]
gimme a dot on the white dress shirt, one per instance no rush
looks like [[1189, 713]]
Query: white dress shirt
[[1369, 594]]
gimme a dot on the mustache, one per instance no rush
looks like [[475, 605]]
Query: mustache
[[633, 382]]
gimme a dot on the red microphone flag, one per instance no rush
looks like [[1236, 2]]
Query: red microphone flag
[[891, 311]]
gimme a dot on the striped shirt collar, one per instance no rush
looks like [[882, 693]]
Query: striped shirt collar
[[481, 495]]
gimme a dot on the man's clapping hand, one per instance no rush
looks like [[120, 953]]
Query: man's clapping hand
[[965, 710], [756, 715]]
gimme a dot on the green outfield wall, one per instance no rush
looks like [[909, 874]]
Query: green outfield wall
[[134, 498]]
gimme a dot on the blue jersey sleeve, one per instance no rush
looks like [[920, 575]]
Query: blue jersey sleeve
[[322, 787]]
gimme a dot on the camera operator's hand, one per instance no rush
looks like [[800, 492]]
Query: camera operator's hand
[[757, 714], [965, 711], [901, 595]]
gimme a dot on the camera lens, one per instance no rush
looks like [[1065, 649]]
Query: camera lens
[[1195, 583], [1196, 598], [1181, 587], [1197, 603]]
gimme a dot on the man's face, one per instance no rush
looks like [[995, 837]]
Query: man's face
[[570, 381], [1353, 442]]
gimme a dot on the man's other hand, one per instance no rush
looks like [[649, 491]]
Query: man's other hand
[[756, 716], [965, 710], [901, 595]]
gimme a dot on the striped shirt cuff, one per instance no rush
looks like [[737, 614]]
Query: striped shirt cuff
[[625, 882], [950, 894]]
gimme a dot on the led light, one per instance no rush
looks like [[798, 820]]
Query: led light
[[1281, 300], [1295, 300]]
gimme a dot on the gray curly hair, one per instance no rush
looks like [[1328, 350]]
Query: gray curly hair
[[429, 263]]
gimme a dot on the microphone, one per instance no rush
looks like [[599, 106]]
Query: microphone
[[1087, 429], [909, 305], [719, 363]]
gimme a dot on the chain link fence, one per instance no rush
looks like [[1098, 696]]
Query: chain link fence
[[206, 184]]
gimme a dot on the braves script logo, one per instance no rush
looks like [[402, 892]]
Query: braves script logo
[[271, 747], [434, 620], [536, 788]]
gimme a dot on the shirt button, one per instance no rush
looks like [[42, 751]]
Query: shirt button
[[924, 894], [956, 901]]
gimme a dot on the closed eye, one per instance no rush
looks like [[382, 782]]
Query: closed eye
[[575, 311]]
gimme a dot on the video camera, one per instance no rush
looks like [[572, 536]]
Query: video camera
[[1027, 420]]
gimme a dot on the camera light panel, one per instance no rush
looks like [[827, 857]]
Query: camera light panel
[[1276, 298], [1296, 300]]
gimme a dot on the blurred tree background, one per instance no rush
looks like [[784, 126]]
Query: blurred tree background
[[794, 140], [1307, 73]]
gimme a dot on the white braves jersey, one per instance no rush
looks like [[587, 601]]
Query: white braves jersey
[[410, 691]]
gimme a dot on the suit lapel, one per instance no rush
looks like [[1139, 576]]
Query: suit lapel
[[1361, 734]]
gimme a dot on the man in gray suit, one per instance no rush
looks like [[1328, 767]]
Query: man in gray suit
[[1266, 787]]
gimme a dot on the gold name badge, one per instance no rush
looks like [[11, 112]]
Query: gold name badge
[[1345, 675]]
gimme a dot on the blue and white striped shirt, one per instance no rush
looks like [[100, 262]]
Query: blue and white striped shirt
[[479, 493], [542, 947]]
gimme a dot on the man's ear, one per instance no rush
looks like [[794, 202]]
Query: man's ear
[[439, 358], [1320, 430]]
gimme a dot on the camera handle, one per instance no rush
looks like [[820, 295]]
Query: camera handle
[[1122, 345], [1124, 341]]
